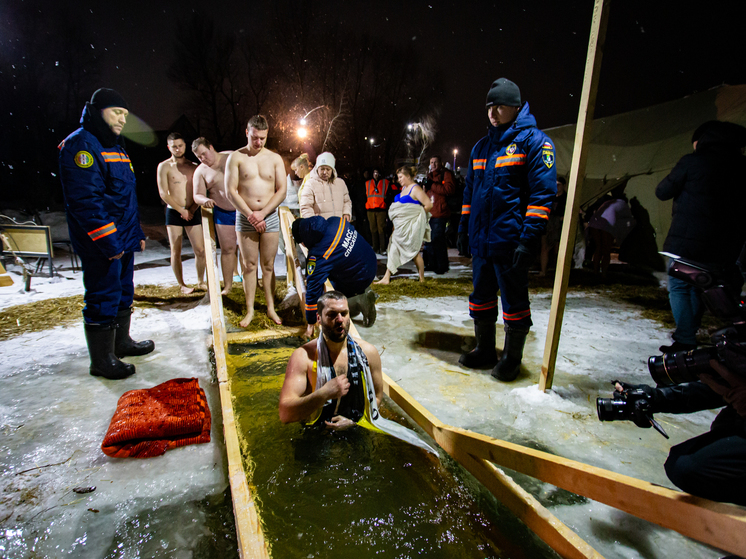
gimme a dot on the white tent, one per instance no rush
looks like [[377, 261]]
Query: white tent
[[644, 146]]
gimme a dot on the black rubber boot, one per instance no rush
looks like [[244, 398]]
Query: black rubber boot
[[369, 307], [124, 345], [510, 362], [484, 355], [100, 339]]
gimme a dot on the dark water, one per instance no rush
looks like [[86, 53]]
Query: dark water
[[360, 494]]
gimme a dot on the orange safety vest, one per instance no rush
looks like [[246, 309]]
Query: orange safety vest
[[376, 194]]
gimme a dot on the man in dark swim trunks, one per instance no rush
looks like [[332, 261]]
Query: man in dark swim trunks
[[175, 176]]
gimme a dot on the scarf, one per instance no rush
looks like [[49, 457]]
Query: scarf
[[358, 371]]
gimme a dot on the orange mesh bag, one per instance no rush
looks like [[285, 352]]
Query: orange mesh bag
[[149, 422]]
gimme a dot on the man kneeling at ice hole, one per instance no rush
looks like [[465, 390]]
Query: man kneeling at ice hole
[[711, 465], [325, 380]]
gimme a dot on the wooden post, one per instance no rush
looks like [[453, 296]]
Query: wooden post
[[577, 171], [286, 219], [251, 542]]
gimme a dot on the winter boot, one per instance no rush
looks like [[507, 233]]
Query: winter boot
[[124, 345], [369, 307], [484, 355], [510, 362], [100, 340]]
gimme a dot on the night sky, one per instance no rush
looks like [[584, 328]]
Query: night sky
[[655, 51]]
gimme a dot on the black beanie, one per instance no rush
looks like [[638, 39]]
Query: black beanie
[[504, 92], [104, 98], [295, 229]]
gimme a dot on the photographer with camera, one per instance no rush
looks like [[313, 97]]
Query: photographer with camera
[[711, 465], [708, 188]]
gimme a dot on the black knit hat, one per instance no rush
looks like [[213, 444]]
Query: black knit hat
[[295, 229], [104, 98], [504, 92]]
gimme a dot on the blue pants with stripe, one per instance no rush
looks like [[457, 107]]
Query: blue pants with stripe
[[493, 275], [109, 287]]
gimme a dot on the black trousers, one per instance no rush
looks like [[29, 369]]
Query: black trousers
[[712, 465]]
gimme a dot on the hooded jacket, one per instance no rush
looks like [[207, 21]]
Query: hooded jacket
[[510, 188], [98, 182], [708, 188], [327, 199], [441, 186], [335, 252]]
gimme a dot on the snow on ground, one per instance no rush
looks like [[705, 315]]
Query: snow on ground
[[155, 507]]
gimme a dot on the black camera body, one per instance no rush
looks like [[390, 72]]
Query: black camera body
[[729, 348], [632, 404]]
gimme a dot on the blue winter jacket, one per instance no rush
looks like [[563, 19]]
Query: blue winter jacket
[[510, 186], [100, 197], [335, 252]]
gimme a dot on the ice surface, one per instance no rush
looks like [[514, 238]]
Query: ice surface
[[52, 411]]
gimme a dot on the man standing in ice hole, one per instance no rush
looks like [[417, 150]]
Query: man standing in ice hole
[[340, 402], [182, 212], [511, 185], [255, 183], [209, 192]]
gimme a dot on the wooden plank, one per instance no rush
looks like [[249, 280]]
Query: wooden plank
[[544, 524], [577, 171], [286, 221], [548, 527], [286, 233], [717, 524], [213, 288], [251, 542], [264, 335]]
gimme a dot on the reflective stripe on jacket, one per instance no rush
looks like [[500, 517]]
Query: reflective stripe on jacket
[[511, 185]]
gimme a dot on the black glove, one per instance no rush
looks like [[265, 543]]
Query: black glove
[[651, 392], [523, 257], [463, 244]]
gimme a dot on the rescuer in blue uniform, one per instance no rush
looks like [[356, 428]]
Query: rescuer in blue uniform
[[510, 186], [337, 252], [98, 182]]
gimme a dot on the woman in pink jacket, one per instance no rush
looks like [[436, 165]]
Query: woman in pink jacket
[[324, 193]]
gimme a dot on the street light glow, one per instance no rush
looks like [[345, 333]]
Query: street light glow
[[372, 141], [303, 121], [302, 133], [455, 151]]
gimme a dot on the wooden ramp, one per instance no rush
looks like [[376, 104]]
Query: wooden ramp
[[720, 525]]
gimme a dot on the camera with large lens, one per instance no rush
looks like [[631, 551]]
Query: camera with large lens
[[729, 348], [631, 404]]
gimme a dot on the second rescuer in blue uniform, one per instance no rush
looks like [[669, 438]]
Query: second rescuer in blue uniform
[[510, 186], [338, 253]]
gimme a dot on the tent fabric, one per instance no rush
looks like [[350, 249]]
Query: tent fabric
[[645, 141]]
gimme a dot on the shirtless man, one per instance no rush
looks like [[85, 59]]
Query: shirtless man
[[255, 184], [209, 192], [299, 400], [182, 212]]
